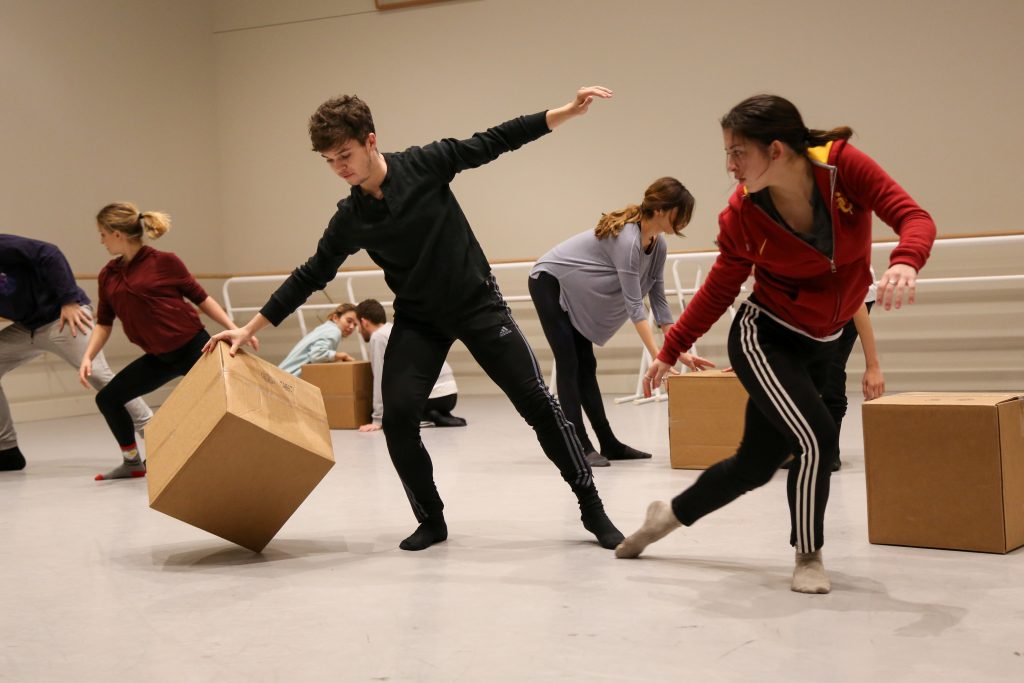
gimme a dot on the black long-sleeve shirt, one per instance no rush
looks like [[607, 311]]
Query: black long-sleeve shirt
[[417, 233], [35, 281]]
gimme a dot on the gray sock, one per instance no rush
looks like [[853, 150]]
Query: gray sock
[[658, 523], [132, 467], [809, 574]]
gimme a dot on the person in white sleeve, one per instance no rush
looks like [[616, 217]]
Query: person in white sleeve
[[376, 331]]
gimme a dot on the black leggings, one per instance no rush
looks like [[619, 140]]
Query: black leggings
[[783, 372], [141, 376], [575, 363], [412, 362]]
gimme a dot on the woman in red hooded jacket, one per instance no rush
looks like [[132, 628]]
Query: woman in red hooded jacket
[[800, 220]]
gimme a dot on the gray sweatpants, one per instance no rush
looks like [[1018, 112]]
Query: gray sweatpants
[[18, 346]]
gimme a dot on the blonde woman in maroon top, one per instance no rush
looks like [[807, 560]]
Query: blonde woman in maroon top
[[147, 290]]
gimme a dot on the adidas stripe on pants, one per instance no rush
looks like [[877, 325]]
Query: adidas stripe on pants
[[412, 362], [783, 371]]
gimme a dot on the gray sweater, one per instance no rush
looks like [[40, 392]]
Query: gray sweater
[[604, 281]]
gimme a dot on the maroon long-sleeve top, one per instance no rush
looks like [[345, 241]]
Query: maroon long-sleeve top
[[148, 294]]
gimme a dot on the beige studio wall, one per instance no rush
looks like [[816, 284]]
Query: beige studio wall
[[200, 107], [932, 89], [105, 100]]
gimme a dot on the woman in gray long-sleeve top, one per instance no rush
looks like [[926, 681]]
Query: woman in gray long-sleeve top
[[589, 285]]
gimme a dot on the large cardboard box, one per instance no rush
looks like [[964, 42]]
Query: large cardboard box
[[237, 447], [347, 389], [946, 470], [705, 417]]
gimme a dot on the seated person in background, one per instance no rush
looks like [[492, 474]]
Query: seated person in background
[[321, 345], [376, 330]]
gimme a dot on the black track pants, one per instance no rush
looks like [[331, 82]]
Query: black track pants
[[412, 362], [783, 372]]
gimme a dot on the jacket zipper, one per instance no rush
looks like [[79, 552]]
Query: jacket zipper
[[831, 260], [832, 213]]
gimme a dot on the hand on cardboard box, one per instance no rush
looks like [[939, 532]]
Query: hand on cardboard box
[[695, 362], [370, 428], [658, 369], [235, 338], [343, 357]]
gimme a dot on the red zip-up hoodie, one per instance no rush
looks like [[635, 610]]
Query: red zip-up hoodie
[[793, 280]]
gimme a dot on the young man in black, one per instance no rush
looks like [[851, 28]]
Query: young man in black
[[402, 211]]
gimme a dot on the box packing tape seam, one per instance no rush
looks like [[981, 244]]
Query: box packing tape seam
[[273, 395]]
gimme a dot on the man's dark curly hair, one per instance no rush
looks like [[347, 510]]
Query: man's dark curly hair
[[339, 120], [371, 310]]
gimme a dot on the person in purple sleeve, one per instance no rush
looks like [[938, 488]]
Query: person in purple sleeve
[[49, 312]]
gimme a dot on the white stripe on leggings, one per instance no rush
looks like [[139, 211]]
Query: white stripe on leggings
[[805, 503]]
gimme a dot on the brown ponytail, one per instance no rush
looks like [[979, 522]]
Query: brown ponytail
[[663, 194], [766, 118]]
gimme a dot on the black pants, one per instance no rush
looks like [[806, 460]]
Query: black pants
[[783, 371], [141, 376], [575, 363], [412, 362], [833, 392]]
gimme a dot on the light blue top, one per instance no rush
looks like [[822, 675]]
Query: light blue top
[[604, 282], [319, 346]]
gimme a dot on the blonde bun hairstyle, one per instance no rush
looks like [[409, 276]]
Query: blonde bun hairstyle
[[125, 217]]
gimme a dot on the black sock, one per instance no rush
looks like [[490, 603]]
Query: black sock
[[624, 453], [612, 448], [11, 459], [585, 441], [427, 534], [596, 521], [444, 419]]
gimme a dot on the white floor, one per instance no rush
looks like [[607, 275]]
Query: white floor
[[94, 586]]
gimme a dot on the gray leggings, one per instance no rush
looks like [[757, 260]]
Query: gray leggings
[[18, 346]]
